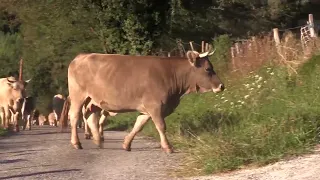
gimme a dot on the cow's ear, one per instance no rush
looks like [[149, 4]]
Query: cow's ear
[[193, 56], [10, 84]]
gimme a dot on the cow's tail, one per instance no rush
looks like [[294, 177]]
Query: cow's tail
[[64, 114]]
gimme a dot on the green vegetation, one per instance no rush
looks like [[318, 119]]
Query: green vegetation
[[262, 117], [3, 132]]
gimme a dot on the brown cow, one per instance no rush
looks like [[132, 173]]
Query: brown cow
[[12, 93], [150, 85]]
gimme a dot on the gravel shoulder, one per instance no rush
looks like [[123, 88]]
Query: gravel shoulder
[[42, 153]]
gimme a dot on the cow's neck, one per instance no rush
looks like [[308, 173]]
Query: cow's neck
[[184, 81]]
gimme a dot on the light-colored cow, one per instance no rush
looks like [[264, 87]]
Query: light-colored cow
[[52, 119], [42, 120], [150, 85], [12, 92]]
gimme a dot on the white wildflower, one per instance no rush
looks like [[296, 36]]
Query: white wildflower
[[222, 97], [253, 84], [259, 86], [226, 100], [232, 103], [242, 102], [251, 89], [273, 90], [272, 73], [246, 96], [265, 82], [256, 76], [260, 78]]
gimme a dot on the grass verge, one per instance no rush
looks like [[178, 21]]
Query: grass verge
[[261, 118]]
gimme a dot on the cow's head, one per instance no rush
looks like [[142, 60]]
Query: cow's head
[[17, 88], [203, 74]]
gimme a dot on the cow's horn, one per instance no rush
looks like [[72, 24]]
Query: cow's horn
[[27, 81], [212, 52], [203, 54]]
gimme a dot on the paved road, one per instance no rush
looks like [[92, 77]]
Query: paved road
[[42, 153]]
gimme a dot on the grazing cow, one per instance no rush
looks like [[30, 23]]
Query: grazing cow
[[27, 111], [52, 119], [42, 120], [12, 92], [150, 85]]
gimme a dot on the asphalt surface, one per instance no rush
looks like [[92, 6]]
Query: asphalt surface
[[44, 153]]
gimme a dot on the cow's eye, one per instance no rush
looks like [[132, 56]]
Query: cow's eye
[[208, 69]]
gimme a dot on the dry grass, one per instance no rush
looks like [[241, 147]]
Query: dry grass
[[260, 50]]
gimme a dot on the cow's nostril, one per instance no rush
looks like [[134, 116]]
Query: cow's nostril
[[221, 87]]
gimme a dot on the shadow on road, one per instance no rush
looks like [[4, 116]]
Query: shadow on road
[[38, 173], [11, 161]]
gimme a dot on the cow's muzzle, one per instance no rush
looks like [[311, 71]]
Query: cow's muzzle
[[220, 88]]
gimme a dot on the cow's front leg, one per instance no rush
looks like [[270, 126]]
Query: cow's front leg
[[140, 122], [160, 124]]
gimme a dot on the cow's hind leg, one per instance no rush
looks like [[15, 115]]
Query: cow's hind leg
[[74, 112], [93, 125], [140, 122]]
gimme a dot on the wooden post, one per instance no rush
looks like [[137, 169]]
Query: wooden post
[[202, 46], [232, 58], [191, 45], [169, 54], [276, 36], [237, 48], [311, 26], [207, 47], [180, 47], [20, 69]]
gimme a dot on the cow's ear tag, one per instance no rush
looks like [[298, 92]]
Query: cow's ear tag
[[192, 57]]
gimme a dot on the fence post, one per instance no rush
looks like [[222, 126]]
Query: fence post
[[232, 58], [191, 45], [237, 48], [311, 26], [276, 36], [180, 47]]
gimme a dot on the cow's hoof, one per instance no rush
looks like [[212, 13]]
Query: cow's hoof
[[126, 147], [98, 143], [102, 138], [77, 146], [168, 150], [87, 136]]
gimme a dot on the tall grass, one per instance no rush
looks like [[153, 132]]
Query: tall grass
[[269, 110]]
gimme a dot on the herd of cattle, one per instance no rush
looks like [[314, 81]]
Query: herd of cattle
[[107, 84]]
